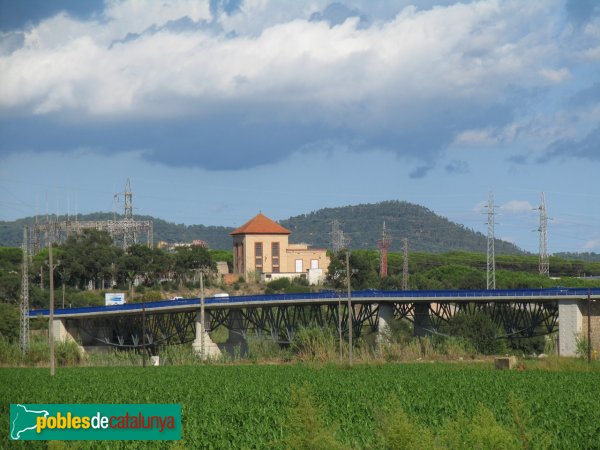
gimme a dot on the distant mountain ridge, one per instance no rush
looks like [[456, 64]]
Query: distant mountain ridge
[[425, 230]]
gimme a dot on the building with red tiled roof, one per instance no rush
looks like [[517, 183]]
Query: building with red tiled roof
[[260, 224], [261, 247]]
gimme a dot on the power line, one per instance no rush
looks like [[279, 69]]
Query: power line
[[124, 232], [384, 245], [491, 253], [337, 236], [405, 265], [543, 229], [24, 307]]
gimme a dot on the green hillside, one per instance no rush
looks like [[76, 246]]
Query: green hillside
[[425, 230], [11, 233]]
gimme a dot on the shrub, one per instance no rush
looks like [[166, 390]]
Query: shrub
[[152, 296], [482, 431], [67, 353], [315, 344], [396, 430], [261, 348], [9, 321], [88, 298], [581, 349], [277, 286], [304, 425], [10, 353], [480, 330]]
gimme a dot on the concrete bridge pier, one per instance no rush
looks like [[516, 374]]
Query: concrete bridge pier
[[236, 344], [69, 330], [64, 331], [573, 325], [384, 330], [203, 345], [60, 331], [422, 321]]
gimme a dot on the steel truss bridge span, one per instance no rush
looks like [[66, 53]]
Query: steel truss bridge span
[[521, 313]]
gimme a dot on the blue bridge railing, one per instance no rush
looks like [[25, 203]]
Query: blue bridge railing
[[323, 295]]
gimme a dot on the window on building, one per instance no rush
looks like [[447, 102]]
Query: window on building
[[299, 266], [258, 257], [242, 265], [314, 263], [275, 257], [238, 258]]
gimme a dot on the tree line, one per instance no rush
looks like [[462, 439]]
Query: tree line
[[90, 261], [456, 270]]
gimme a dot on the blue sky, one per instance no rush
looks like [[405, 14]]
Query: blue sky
[[218, 109]]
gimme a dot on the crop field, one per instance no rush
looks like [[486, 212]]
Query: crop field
[[262, 406]]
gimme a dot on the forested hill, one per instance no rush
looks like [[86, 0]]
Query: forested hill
[[425, 230], [11, 233]]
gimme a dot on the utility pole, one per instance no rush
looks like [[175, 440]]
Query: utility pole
[[491, 253], [405, 265], [589, 327], [349, 307], [128, 226], [544, 260], [337, 236], [202, 354], [51, 318], [143, 332], [337, 243], [340, 325], [128, 220], [24, 341]]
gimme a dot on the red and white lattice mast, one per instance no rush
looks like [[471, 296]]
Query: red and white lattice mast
[[384, 245]]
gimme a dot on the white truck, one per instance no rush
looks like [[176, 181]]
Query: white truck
[[114, 298]]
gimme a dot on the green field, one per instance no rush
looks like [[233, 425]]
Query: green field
[[252, 406]]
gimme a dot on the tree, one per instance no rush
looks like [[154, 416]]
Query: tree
[[450, 277], [364, 266], [336, 273], [89, 256], [10, 274], [480, 330], [9, 321], [161, 266], [363, 269], [188, 260]]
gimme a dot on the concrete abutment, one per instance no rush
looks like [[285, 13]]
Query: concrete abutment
[[203, 345]]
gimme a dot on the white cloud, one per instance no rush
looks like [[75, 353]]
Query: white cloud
[[135, 16], [510, 239], [480, 207], [476, 138], [591, 245], [446, 53], [517, 206], [556, 75], [413, 82]]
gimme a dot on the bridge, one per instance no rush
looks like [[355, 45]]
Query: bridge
[[520, 313]]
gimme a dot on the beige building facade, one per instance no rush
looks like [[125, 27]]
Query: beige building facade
[[261, 246]]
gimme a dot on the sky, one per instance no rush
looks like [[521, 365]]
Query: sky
[[216, 110]]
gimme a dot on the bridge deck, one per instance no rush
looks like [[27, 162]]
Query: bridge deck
[[328, 297]]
